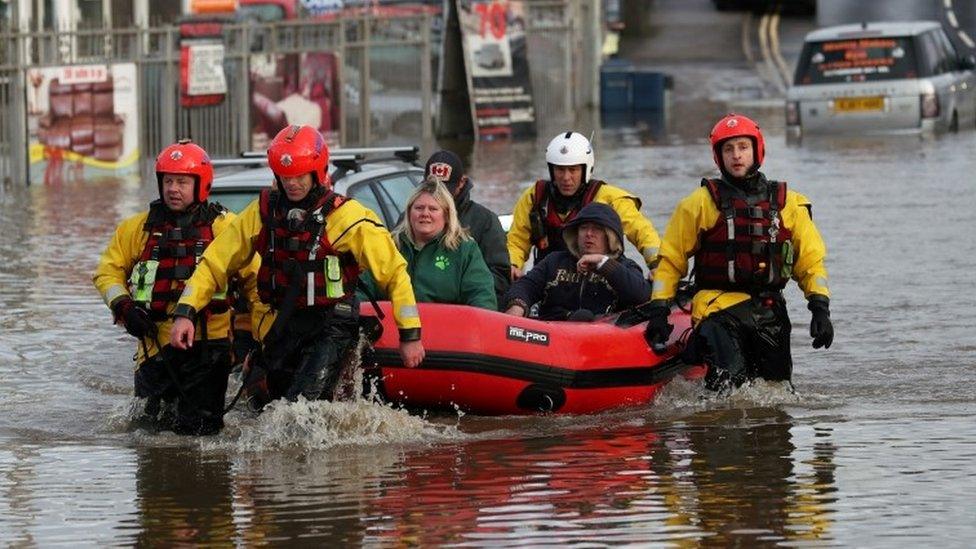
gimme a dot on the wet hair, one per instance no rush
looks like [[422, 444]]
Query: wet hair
[[453, 233]]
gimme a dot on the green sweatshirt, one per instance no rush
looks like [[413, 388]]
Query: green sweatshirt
[[439, 275]]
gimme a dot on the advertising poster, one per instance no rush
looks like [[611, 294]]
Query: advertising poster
[[493, 38], [294, 89], [82, 122]]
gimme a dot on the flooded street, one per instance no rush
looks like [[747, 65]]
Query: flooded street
[[875, 449]]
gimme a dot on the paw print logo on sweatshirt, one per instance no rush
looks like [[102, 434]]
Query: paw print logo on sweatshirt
[[442, 262]]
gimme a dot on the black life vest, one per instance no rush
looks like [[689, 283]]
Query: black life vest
[[749, 249], [546, 224], [307, 249], [171, 253]]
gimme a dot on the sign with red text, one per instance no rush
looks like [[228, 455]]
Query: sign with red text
[[202, 79], [499, 87]]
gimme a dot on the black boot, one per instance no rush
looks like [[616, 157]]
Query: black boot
[[720, 381]]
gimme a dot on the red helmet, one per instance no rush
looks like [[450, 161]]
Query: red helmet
[[298, 150], [736, 125], [186, 158]]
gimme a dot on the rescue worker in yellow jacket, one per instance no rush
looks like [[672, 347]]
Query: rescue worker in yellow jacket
[[142, 274], [749, 236], [545, 208], [313, 243]]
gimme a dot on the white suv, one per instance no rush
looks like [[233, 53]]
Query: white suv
[[881, 78]]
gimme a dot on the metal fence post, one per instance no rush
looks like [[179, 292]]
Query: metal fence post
[[592, 57], [141, 52], [242, 93], [569, 82], [427, 91], [343, 59], [20, 140], [20, 162], [168, 110], [365, 137]]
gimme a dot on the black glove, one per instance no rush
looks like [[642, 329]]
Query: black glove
[[658, 329], [135, 319], [821, 329]]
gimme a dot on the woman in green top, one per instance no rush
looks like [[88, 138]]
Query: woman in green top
[[445, 264]]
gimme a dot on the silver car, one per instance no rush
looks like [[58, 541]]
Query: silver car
[[881, 78], [382, 179]]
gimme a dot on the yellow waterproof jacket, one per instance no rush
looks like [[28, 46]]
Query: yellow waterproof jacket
[[697, 213], [350, 228], [638, 229], [111, 278]]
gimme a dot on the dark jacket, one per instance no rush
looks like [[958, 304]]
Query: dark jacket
[[488, 233], [560, 290]]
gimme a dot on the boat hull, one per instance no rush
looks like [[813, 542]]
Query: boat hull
[[488, 363]]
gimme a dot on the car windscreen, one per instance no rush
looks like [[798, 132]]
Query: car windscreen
[[857, 60], [234, 201]]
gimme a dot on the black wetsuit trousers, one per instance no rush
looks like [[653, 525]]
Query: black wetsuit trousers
[[746, 341], [307, 360], [185, 389]]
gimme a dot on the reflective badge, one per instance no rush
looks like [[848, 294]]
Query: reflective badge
[[286, 160], [176, 155], [733, 122], [787, 269], [142, 279], [333, 278]]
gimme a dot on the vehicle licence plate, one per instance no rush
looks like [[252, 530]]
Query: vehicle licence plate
[[858, 104]]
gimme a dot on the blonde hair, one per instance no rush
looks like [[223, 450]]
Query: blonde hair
[[453, 233]]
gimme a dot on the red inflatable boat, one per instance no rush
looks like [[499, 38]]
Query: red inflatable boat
[[490, 363]]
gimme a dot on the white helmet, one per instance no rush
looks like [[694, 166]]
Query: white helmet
[[570, 149]]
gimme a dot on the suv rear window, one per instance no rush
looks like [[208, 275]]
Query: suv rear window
[[857, 60]]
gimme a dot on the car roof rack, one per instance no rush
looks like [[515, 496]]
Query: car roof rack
[[408, 154]]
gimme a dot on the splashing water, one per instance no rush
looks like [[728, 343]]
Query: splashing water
[[322, 424], [683, 393]]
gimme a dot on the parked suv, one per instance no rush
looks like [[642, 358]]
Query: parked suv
[[380, 178], [881, 77]]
